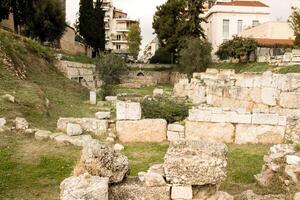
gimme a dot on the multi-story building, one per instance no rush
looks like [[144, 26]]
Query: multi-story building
[[227, 18], [117, 26], [150, 50]]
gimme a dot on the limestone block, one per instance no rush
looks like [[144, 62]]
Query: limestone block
[[93, 98], [158, 92], [266, 119], [198, 94], [42, 135], [269, 96], [176, 127], [128, 111], [292, 160], [267, 79], [84, 187], [132, 189], [200, 115], [21, 123], [63, 139], [297, 196], [93, 125], [2, 122], [173, 136], [153, 179], [289, 100], [222, 132], [102, 115], [73, 129], [111, 98], [219, 118], [118, 147], [195, 162], [282, 120], [265, 134], [182, 192], [145, 130], [212, 71], [236, 118]]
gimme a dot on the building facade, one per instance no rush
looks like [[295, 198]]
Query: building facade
[[117, 26], [228, 18]]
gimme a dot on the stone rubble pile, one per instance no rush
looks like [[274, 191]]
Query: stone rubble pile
[[281, 163]]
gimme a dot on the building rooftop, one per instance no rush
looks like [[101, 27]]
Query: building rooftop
[[243, 3], [273, 42]]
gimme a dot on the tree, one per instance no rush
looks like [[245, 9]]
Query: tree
[[47, 21], [4, 9], [162, 56], [295, 23], [134, 39], [237, 48], [177, 20], [22, 12], [110, 69], [99, 28], [195, 56]]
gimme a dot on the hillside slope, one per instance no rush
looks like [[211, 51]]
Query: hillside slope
[[42, 94]]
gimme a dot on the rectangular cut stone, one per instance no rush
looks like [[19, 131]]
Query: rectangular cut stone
[[269, 96], [266, 119], [145, 130], [195, 162], [128, 111], [173, 136], [219, 118], [200, 115], [176, 127], [93, 97], [182, 192], [289, 100], [132, 189], [93, 125], [222, 132], [234, 117], [265, 134], [282, 120]]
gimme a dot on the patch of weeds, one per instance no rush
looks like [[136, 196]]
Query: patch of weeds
[[297, 147], [40, 50], [81, 58]]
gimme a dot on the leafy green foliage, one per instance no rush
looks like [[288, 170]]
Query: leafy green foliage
[[177, 20], [195, 56], [162, 56], [294, 20], [237, 48], [4, 9], [164, 108], [297, 147], [110, 68], [134, 39]]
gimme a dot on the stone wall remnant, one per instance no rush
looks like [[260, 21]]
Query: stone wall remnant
[[128, 110], [175, 132]]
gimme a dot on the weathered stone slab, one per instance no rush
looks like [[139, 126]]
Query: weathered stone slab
[[84, 187], [289, 100], [145, 130], [93, 97], [93, 125], [132, 189], [128, 111], [21, 123], [73, 129], [42, 135], [265, 119], [222, 132], [2, 122], [103, 115], [173, 136], [259, 134], [182, 192], [269, 96], [176, 127], [195, 162]]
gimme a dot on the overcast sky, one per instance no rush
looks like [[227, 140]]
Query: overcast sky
[[144, 10]]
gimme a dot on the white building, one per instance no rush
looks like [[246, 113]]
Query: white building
[[117, 25], [149, 50], [228, 18]]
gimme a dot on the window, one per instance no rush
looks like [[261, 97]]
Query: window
[[118, 37], [226, 29], [118, 47], [255, 23], [239, 26]]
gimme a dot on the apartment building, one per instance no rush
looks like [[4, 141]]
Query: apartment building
[[227, 18], [117, 25]]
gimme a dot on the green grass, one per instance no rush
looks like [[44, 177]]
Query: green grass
[[31, 169], [142, 156], [289, 69], [43, 81], [81, 58]]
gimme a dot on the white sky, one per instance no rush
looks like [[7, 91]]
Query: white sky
[[145, 9]]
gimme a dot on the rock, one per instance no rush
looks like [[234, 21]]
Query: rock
[[63, 139], [132, 189], [54, 135], [99, 160], [110, 139], [221, 196], [297, 196], [74, 129], [292, 172], [292, 160], [30, 131], [221, 132], [153, 179], [93, 97], [102, 115], [196, 162], [158, 92], [141, 176], [250, 195], [176, 127], [84, 187], [2, 122], [128, 111], [21, 124], [118, 147], [182, 192], [157, 168], [145, 130], [111, 98], [265, 177], [42, 135], [9, 98], [82, 140], [111, 134]]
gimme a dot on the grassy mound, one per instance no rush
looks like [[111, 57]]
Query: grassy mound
[[42, 94]]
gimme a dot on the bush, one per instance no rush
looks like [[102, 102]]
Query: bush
[[195, 56], [110, 69], [163, 108], [162, 56], [237, 48]]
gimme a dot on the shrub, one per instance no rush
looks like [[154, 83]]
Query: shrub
[[297, 147], [110, 69], [195, 56], [162, 56], [237, 48], [164, 108]]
